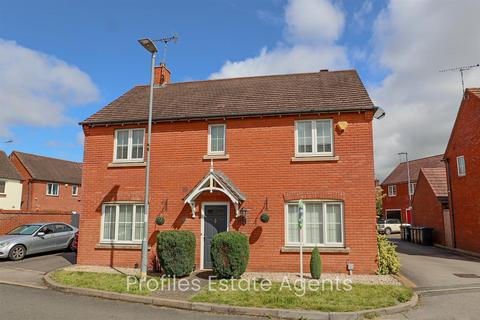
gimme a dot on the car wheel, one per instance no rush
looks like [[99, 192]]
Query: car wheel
[[17, 252], [388, 231]]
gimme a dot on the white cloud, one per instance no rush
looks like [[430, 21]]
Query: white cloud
[[360, 16], [312, 28], [413, 41], [36, 89], [80, 138]]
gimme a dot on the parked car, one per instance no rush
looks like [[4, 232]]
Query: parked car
[[36, 238], [388, 226]]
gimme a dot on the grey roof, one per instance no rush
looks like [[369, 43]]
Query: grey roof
[[302, 93], [51, 169], [7, 169]]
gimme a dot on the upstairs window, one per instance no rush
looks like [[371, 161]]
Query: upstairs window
[[314, 137], [74, 190], [412, 188], [216, 139], [2, 186], [129, 145], [392, 191], [462, 171], [52, 189]]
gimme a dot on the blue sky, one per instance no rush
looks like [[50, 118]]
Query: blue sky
[[99, 39]]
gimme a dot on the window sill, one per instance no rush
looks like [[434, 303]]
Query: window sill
[[295, 249], [52, 195], [123, 246], [315, 158], [216, 157], [126, 164], [3, 195]]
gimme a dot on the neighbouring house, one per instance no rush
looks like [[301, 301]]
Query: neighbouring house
[[463, 168], [430, 204], [49, 185], [10, 185], [396, 203], [225, 151]]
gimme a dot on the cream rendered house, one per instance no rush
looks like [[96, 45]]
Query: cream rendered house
[[10, 185]]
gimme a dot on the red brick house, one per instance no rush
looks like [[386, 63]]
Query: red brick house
[[226, 151], [49, 185], [430, 204], [395, 187], [463, 168]]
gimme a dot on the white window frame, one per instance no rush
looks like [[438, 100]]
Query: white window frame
[[117, 215], [412, 187], [129, 146], [460, 173], [53, 194], [325, 244], [314, 139], [392, 190], [74, 188], [210, 126], [4, 187]]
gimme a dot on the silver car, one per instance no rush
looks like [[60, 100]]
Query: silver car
[[36, 238]]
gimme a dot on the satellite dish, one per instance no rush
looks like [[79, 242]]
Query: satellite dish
[[379, 113]]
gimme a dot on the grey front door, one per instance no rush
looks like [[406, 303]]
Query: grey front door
[[215, 221]]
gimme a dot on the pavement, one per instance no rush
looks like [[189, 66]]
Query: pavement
[[448, 284], [30, 271], [19, 303]]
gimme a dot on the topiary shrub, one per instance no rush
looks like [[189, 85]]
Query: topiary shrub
[[160, 220], [315, 264], [176, 252], [264, 217], [230, 253], [388, 261]]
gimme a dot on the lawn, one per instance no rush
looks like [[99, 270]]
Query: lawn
[[101, 281], [361, 297]]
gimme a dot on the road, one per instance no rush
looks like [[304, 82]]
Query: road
[[20, 303]]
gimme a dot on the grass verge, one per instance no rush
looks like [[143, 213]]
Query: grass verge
[[361, 297], [100, 281]]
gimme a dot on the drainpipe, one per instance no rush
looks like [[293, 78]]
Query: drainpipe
[[450, 201]]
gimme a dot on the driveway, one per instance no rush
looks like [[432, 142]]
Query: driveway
[[30, 271], [447, 283]]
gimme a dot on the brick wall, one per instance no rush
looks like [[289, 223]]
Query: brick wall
[[260, 151], [465, 191], [427, 210], [400, 201], [8, 221]]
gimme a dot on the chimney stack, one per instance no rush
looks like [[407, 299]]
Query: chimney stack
[[161, 75]]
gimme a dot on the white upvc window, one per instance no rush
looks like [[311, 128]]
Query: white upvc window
[[314, 137], [461, 170], [216, 139], [3, 185], [74, 190], [411, 189], [122, 223], [392, 190], [52, 189], [322, 224], [129, 145]]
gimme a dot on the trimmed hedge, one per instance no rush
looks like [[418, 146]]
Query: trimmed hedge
[[176, 252], [230, 253], [315, 264], [388, 261]]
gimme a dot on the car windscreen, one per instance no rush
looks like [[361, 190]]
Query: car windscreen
[[25, 230], [380, 221]]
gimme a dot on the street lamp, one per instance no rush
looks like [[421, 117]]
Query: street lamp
[[409, 186], [150, 47]]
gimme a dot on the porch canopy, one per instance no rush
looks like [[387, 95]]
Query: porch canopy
[[215, 180]]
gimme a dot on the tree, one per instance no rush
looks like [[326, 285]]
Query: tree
[[379, 195]]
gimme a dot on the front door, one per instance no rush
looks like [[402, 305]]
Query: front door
[[215, 221]]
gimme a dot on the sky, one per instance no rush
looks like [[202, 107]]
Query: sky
[[61, 61]]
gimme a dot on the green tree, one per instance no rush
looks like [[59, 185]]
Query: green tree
[[379, 195]]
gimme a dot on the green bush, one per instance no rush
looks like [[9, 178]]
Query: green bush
[[230, 253], [176, 252], [315, 264], [388, 261]]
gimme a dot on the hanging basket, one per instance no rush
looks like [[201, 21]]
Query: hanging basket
[[160, 220], [264, 217]]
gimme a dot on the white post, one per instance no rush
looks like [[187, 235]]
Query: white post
[[301, 211]]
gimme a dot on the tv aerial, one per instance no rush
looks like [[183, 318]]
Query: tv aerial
[[461, 70], [165, 41]]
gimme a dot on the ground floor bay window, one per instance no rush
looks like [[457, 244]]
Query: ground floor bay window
[[322, 224], [122, 223]]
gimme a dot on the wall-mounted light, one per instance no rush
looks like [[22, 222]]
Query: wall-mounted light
[[243, 215]]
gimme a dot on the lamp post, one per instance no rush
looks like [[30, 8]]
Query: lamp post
[[150, 47], [409, 184]]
